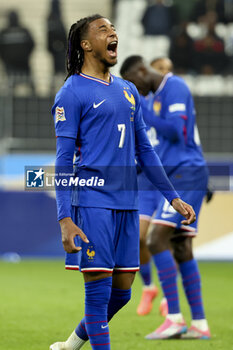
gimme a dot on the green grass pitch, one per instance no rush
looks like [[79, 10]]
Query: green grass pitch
[[41, 303]]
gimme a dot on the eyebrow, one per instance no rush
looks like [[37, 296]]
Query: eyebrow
[[104, 26]]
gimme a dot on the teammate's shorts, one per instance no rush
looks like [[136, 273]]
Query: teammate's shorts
[[114, 240], [148, 197], [191, 185], [166, 214]]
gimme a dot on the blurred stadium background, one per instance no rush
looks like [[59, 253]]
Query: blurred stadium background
[[28, 219]]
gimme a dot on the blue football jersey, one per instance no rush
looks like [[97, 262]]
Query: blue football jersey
[[102, 117], [173, 100]]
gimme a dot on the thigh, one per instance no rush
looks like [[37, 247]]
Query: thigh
[[148, 203], [126, 241]]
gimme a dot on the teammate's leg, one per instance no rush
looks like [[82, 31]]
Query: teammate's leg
[[159, 245], [150, 291], [192, 286]]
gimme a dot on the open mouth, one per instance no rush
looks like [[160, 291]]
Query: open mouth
[[112, 49]]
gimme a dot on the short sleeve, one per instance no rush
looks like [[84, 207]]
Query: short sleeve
[[66, 113], [176, 99], [138, 117]]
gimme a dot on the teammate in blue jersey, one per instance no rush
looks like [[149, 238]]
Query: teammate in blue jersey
[[98, 116], [148, 198], [171, 111]]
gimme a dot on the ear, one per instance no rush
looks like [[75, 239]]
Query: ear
[[142, 70], [86, 45]]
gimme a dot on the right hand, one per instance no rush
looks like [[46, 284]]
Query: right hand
[[69, 231]]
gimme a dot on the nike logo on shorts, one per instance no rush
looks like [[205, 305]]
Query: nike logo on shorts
[[167, 215], [98, 104]]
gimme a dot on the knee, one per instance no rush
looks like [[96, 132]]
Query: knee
[[98, 292], [183, 251], [152, 242], [157, 240], [142, 242]]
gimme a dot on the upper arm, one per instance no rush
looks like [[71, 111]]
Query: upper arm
[[66, 113], [176, 101]]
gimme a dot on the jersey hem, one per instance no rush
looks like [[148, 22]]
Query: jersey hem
[[144, 217], [96, 269], [189, 231], [103, 207], [72, 267], [127, 269]]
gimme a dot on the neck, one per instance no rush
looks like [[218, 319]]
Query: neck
[[157, 80], [96, 69]]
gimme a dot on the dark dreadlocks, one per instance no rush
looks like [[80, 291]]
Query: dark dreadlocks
[[75, 53]]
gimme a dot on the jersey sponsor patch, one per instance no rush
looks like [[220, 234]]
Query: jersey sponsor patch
[[60, 114], [177, 107]]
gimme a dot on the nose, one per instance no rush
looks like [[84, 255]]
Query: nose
[[113, 33]]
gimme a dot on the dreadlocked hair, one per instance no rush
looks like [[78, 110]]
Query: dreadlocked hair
[[75, 53]]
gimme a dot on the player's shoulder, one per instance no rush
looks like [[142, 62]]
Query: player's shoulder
[[71, 89], [177, 84], [127, 85]]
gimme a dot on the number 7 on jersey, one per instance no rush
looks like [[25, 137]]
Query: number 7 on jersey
[[121, 128]]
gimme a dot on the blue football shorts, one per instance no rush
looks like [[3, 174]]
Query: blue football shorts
[[191, 185], [148, 197], [114, 240]]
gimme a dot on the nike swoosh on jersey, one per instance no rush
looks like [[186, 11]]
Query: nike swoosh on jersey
[[98, 104], [104, 326]]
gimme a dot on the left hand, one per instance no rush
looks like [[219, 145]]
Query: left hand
[[184, 209]]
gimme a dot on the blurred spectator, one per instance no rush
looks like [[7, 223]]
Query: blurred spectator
[[181, 50], [159, 18], [16, 45], [56, 39], [222, 8], [210, 57]]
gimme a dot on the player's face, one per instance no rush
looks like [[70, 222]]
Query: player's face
[[103, 41], [140, 77], [163, 66]]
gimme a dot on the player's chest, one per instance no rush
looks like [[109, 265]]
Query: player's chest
[[109, 104], [158, 106]]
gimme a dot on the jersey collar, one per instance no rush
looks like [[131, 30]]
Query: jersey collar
[[96, 79], [163, 82]]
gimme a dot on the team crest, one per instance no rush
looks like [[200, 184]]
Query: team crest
[[60, 114], [157, 107], [90, 253], [131, 99]]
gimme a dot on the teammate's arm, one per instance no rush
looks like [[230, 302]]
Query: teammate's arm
[[171, 129]]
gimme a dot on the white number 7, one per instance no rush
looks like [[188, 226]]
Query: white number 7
[[121, 128]]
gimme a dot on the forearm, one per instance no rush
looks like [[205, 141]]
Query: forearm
[[152, 166], [64, 164]]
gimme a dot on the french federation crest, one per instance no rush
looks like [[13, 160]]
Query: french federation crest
[[157, 107], [131, 99], [90, 253]]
